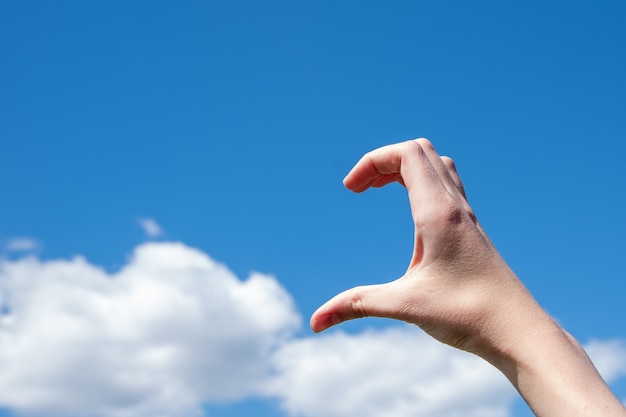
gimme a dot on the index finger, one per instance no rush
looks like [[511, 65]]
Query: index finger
[[376, 168], [405, 162]]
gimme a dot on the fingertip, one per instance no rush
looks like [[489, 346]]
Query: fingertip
[[313, 324], [351, 184], [321, 322], [346, 181], [351, 180], [448, 162]]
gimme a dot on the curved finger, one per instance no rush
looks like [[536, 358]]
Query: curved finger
[[454, 174], [405, 162], [449, 181], [364, 301], [387, 179], [379, 167], [382, 166], [451, 167]]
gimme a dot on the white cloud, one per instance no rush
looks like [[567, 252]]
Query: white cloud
[[609, 357], [150, 227], [174, 329], [170, 330], [22, 244], [391, 372]]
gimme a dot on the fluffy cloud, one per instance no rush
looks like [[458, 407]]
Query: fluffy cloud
[[170, 330], [174, 329], [391, 372]]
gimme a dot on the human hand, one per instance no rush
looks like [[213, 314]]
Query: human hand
[[457, 287], [459, 290]]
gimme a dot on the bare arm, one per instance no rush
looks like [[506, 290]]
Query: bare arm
[[458, 289]]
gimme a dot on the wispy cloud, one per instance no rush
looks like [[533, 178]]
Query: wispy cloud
[[22, 244], [150, 227]]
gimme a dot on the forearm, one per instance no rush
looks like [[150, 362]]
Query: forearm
[[554, 374]]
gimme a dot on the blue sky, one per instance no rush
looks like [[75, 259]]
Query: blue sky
[[232, 124]]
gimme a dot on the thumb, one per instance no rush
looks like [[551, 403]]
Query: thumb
[[370, 300]]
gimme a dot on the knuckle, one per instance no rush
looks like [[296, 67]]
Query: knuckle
[[357, 305], [449, 163], [467, 209], [471, 214], [425, 143], [455, 215], [414, 146], [449, 212]]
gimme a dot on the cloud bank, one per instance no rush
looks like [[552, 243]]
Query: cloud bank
[[174, 330], [171, 330], [390, 372]]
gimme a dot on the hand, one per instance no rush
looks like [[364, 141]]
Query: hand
[[459, 290], [456, 286]]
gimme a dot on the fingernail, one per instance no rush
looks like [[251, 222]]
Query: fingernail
[[326, 321]]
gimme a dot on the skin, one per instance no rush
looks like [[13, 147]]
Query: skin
[[458, 289]]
